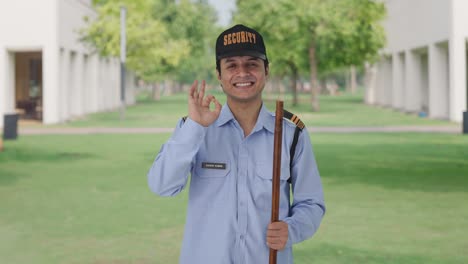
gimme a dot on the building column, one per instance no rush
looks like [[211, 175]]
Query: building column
[[380, 82], [412, 82], [457, 91], [371, 82], [78, 72], [3, 82], [106, 96], [7, 83], [457, 61], [93, 70], [99, 86], [387, 93], [398, 80], [438, 81], [51, 84], [86, 91], [115, 83], [73, 91], [64, 77]]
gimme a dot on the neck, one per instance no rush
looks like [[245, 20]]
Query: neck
[[246, 114]]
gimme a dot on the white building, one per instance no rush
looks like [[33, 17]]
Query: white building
[[45, 72], [424, 65]]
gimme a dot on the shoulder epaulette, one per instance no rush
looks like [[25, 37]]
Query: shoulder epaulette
[[293, 118]]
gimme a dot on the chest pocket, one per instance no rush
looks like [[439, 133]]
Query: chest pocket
[[263, 184], [212, 169], [265, 171]]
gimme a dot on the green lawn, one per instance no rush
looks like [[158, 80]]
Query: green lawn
[[391, 198], [344, 110]]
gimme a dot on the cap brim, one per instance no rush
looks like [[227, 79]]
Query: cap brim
[[243, 53]]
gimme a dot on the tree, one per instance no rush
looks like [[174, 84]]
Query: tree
[[280, 32], [150, 48], [195, 23], [328, 34], [166, 39]]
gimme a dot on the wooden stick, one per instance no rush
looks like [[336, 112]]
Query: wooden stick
[[278, 138]]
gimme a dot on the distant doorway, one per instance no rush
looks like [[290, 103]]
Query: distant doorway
[[28, 85]]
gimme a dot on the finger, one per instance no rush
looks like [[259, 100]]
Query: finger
[[275, 246], [273, 235], [207, 100], [273, 227], [217, 105], [193, 89], [279, 243], [202, 91], [276, 240], [282, 226], [278, 247]]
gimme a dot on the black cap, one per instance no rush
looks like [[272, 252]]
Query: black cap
[[240, 41]]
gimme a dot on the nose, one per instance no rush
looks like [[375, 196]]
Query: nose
[[243, 71]]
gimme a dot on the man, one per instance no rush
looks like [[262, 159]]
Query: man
[[228, 150]]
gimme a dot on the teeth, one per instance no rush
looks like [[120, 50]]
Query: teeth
[[243, 84]]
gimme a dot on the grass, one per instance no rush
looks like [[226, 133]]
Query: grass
[[391, 198], [344, 110]]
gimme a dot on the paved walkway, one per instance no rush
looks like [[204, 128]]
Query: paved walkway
[[117, 130]]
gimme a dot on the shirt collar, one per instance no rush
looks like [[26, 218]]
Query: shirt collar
[[225, 116], [265, 118]]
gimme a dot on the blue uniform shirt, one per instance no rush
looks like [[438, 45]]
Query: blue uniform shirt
[[229, 206]]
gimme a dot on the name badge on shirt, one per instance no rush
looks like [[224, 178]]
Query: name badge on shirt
[[214, 165]]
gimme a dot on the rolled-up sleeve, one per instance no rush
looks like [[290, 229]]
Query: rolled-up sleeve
[[169, 172]]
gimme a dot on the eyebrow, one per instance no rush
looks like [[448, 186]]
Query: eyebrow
[[250, 59]]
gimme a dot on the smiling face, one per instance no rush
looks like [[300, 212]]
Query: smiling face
[[243, 78]]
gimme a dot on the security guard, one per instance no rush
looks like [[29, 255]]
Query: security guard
[[228, 151]]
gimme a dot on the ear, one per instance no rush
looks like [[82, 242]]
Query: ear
[[218, 74], [267, 70]]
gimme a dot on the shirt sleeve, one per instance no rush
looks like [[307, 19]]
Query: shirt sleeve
[[170, 170], [308, 205]]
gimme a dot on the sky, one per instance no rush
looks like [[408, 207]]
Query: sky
[[224, 8]]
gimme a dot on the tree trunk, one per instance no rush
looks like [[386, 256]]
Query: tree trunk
[[294, 74], [348, 81], [281, 90], [353, 80], [180, 87], [269, 87], [168, 87], [156, 91], [313, 78]]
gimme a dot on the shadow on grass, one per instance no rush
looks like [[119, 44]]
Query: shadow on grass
[[17, 156], [417, 167], [9, 176], [26, 155], [334, 254]]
